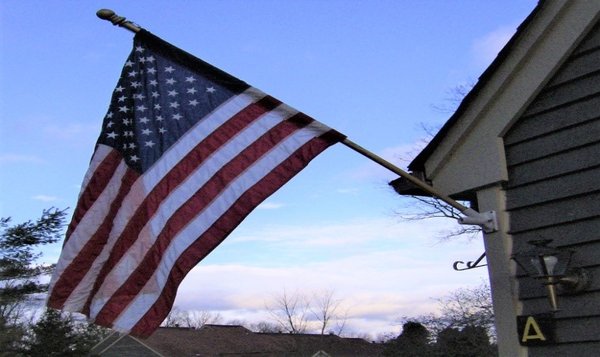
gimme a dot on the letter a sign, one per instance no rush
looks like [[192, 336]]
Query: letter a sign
[[536, 330]]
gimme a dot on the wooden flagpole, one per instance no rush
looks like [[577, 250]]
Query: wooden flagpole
[[486, 220], [417, 182]]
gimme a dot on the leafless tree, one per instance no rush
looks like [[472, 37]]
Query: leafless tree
[[459, 309], [174, 318], [328, 310], [290, 312], [265, 327], [197, 319], [191, 319], [431, 207], [454, 96], [295, 313]]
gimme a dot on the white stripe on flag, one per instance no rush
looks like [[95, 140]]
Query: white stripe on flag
[[100, 154], [178, 151], [89, 224], [199, 132], [178, 197], [151, 291], [147, 182]]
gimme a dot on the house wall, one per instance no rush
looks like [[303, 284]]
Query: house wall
[[553, 192]]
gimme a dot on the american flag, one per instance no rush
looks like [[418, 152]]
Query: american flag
[[186, 152]]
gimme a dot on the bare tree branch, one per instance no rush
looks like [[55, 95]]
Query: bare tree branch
[[431, 207], [454, 96], [191, 319], [459, 309], [290, 312], [325, 310]]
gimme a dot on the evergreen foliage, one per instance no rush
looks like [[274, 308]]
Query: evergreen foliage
[[56, 334], [412, 342], [19, 272], [53, 334], [471, 341]]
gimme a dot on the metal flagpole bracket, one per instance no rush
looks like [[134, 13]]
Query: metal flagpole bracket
[[109, 15], [488, 221]]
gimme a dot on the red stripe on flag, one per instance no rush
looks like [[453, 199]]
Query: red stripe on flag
[[225, 225], [174, 178], [77, 269], [100, 178], [197, 203]]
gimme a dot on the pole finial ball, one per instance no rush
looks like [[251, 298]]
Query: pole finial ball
[[105, 14]]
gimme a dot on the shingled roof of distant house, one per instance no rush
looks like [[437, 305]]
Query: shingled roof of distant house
[[235, 340]]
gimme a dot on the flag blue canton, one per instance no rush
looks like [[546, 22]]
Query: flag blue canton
[[155, 102]]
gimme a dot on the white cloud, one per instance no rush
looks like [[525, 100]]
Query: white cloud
[[486, 48], [45, 198], [397, 275], [270, 205], [348, 191], [17, 158], [356, 231], [73, 132]]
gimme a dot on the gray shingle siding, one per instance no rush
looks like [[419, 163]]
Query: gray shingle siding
[[553, 192]]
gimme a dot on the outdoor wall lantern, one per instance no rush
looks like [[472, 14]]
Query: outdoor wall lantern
[[551, 265]]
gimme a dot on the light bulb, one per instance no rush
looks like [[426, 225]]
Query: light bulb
[[535, 261], [550, 262]]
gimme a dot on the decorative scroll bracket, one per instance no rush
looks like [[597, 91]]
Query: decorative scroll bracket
[[470, 265]]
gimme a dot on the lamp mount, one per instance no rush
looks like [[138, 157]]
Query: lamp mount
[[552, 266]]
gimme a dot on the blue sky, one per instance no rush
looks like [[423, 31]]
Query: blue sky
[[371, 69]]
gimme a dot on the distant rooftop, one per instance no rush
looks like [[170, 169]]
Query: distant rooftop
[[235, 340]]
